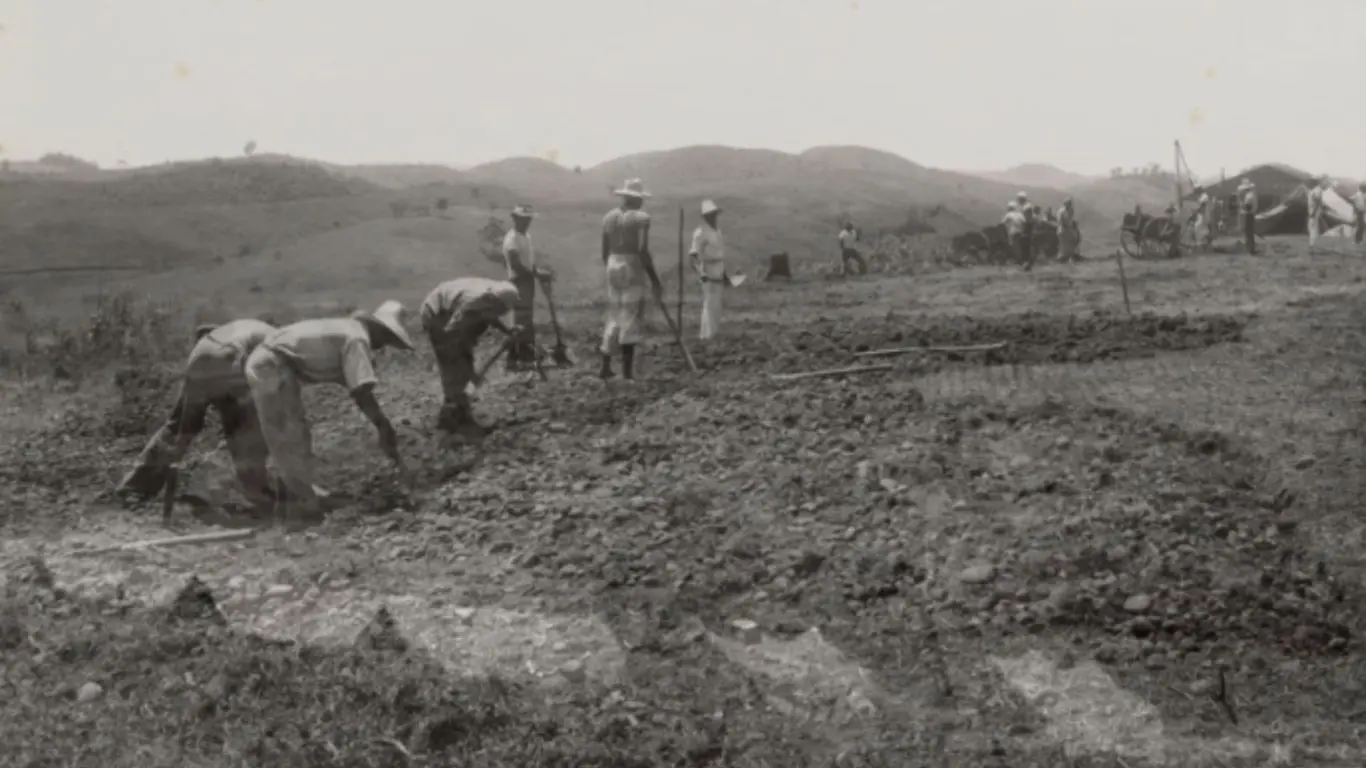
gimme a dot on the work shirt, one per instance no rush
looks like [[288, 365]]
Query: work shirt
[[469, 299], [521, 243], [849, 239], [1015, 223], [1203, 206], [1250, 202], [1316, 201], [334, 350], [627, 231], [215, 364], [1067, 219], [709, 248], [1359, 201]]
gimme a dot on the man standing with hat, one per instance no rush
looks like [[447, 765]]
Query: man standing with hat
[[849, 250], [335, 350], [1247, 192], [455, 314], [1203, 218], [520, 257], [628, 263], [1359, 213], [1029, 214], [1315, 223], [709, 259], [1069, 235]]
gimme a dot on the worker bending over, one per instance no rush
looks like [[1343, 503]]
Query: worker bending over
[[214, 378], [336, 350], [454, 315]]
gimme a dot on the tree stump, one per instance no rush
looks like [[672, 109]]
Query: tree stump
[[779, 266]]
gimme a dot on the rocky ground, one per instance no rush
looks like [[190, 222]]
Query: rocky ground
[[728, 570]]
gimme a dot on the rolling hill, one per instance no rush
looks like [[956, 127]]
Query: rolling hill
[[1037, 175], [247, 229]]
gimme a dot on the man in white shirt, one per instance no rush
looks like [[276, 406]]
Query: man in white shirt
[[1247, 192], [520, 257], [709, 259], [335, 350], [1316, 210], [1359, 211], [849, 250], [1203, 218], [1014, 222]]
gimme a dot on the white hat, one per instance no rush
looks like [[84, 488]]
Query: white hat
[[1245, 184], [390, 315], [1021, 196], [632, 188], [523, 212], [1011, 206], [709, 206]]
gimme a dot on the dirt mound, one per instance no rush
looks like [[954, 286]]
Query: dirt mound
[[1029, 339]]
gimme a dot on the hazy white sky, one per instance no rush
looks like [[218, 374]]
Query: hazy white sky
[[966, 84]]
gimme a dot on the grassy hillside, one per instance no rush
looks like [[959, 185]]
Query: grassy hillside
[[1037, 175], [248, 231]]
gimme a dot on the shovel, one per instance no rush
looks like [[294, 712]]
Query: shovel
[[678, 334], [560, 355], [483, 369]]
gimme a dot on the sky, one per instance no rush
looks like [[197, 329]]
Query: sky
[[1085, 85]]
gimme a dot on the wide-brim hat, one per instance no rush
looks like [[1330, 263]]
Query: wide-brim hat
[[710, 206], [632, 188], [1021, 195], [523, 212], [1246, 184], [390, 316]]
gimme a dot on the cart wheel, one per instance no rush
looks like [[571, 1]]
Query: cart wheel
[[1130, 243]]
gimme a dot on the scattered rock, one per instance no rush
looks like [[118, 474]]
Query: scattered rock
[[748, 631], [89, 691], [195, 602], [1138, 603], [573, 671], [1305, 462], [382, 634], [977, 574]]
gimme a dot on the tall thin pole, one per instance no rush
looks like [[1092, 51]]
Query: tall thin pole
[[680, 272], [1176, 164]]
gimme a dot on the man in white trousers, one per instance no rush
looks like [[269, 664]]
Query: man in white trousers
[[709, 259]]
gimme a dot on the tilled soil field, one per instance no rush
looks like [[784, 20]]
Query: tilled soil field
[[920, 576]]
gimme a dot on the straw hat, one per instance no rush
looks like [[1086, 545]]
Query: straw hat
[[1011, 206], [1246, 184], [632, 188], [709, 206], [390, 316], [1021, 196], [523, 212]]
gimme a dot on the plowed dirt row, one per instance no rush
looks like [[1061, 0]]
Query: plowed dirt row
[[919, 539]]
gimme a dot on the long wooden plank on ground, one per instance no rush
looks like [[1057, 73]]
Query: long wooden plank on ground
[[194, 538], [828, 372], [909, 350]]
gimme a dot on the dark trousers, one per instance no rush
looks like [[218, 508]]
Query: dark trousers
[[1250, 232], [850, 254], [1360, 227]]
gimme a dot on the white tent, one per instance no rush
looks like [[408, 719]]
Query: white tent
[[1339, 208]]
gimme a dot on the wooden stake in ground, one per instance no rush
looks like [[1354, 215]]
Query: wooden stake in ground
[[828, 372], [680, 272], [1123, 281], [196, 538], [891, 352]]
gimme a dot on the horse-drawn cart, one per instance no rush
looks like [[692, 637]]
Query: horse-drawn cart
[[1143, 236]]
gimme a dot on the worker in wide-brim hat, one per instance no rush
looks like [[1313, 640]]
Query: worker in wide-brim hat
[[708, 257], [628, 264], [1069, 234], [455, 315], [214, 379], [334, 350], [1247, 195], [849, 249], [520, 257]]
